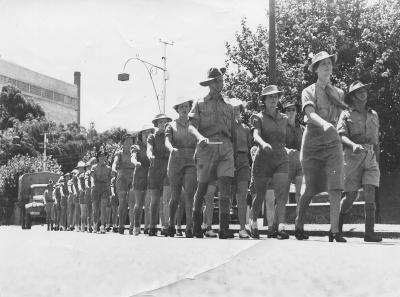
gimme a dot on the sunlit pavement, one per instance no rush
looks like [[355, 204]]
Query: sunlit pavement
[[41, 263]]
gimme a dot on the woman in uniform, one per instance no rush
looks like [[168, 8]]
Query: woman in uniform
[[321, 152], [181, 167], [271, 160]]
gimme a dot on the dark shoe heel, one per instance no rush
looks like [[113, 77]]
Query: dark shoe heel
[[336, 237]]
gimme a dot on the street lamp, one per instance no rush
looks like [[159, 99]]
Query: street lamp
[[150, 68]]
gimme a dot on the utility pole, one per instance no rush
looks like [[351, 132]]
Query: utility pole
[[272, 43], [166, 74], [44, 151]]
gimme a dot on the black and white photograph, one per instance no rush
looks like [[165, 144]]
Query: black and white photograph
[[200, 148]]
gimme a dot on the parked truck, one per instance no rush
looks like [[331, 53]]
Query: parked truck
[[31, 187]]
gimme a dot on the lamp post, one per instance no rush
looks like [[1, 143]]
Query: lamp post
[[272, 43]]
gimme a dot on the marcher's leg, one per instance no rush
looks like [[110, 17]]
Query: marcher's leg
[[209, 206], [154, 210], [370, 208], [131, 205], [77, 216], [190, 185], [298, 184], [241, 195], [103, 212], [96, 211], [139, 201], [89, 212], [260, 185], [334, 199], [345, 206], [147, 201], [166, 198], [179, 213], [224, 185], [176, 190], [122, 210], [270, 206], [280, 181], [114, 214], [197, 205], [83, 216]]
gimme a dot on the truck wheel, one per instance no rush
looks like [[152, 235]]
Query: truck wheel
[[28, 221]]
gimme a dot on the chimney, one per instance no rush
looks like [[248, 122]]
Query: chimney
[[77, 82]]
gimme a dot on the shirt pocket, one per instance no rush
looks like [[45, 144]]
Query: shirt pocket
[[356, 127]]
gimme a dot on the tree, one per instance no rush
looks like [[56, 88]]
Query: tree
[[366, 39], [13, 106], [17, 166]]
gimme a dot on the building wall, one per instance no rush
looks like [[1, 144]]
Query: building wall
[[58, 99]]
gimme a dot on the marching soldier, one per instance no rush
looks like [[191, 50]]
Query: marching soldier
[[101, 177], [213, 125], [88, 193], [358, 127], [158, 155], [49, 201], [123, 168]]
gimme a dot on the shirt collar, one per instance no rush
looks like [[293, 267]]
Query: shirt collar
[[209, 97], [322, 84], [277, 115]]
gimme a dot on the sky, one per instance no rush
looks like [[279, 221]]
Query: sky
[[59, 37]]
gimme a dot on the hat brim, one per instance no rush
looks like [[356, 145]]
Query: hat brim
[[269, 93], [289, 105], [207, 82], [347, 99], [159, 119], [333, 56], [180, 103]]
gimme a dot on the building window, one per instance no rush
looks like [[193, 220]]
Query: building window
[[35, 90], [23, 86], [58, 97], [47, 94]]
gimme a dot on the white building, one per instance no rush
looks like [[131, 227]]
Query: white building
[[60, 100]]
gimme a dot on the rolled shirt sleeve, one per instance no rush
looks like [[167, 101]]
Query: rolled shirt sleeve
[[342, 125]]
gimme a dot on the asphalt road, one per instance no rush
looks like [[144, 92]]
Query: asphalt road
[[40, 263]]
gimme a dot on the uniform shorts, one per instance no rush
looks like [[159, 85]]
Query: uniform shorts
[[214, 161], [181, 163], [124, 181], [242, 168], [88, 195], [267, 164], [81, 195], [295, 169], [101, 192], [323, 167], [360, 169], [140, 178], [158, 174]]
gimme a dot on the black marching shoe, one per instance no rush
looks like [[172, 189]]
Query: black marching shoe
[[130, 231], [336, 237], [225, 234], [299, 234], [254, 233], [189, 233], [281, 235], [121, 230], [146, 231], [152, 232], [179, 232], [170, 231], [372, 237]]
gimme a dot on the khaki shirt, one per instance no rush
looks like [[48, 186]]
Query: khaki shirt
[[243, 138], [157, 140], [101, 175], [316, 95], [357, 129], [181, 138], [294, 135], [273, 128], [213, 116]]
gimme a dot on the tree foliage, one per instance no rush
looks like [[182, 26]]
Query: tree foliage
[[366, 39], [18, 165]]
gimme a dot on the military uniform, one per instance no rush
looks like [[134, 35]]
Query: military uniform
[[123, 184], [82, 200], [88, 199], [49, 208], [101, 193], [214, 118], [181, 169]]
